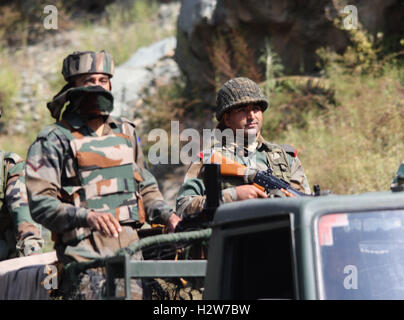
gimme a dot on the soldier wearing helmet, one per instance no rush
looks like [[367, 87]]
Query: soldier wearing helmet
[[19, 235], [240, 106], [86, 178]]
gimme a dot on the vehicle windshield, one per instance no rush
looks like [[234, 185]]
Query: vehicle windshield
[[361, 255]]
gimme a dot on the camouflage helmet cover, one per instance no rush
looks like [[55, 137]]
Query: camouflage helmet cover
[[237, 92], [82, 62]]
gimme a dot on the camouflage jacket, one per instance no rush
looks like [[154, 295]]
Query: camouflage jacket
[[283, 161], [397, 183], [19, 235], [52, 169]]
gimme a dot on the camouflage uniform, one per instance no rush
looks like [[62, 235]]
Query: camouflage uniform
[[71, 170], [63, 183], [282, 160], [19, 235]]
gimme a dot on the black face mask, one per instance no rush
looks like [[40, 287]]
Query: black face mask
[[85, 100]]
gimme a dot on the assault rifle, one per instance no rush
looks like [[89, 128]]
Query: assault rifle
[[219, 165], [263, 180]]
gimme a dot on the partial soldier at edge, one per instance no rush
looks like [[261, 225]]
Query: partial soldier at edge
[[19, 235]]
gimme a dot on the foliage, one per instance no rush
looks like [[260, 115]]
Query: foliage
[[349, 134], [21, 22], [294, 97], [366, 53], [123, 29], [169, 103], [231, 56], [356, 146], [9, 84], [273, 67]]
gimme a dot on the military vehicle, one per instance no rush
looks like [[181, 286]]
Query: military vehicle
[[330, 247], [326, 247]]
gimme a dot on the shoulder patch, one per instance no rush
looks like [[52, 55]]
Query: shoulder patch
[[289, 150], [272, 147], [125, 125], [15, 158], [47, 130], [123, 119]]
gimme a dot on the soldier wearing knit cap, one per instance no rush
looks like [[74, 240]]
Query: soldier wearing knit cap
[[240, 106], [86, 178]]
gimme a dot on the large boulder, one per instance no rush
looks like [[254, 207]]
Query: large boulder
[[295, 30], [140, 76]]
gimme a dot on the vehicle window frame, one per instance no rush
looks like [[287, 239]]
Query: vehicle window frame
[[277, 221], [319, 278]]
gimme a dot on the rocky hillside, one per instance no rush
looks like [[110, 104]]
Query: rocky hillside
[[293, 29], [39, 66]]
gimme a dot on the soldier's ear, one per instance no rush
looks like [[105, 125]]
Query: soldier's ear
[[225, 119], [73, 80]]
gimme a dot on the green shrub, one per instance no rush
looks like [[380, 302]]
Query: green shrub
[[231, 56], [351, 143], [123, 30], [9, 85]]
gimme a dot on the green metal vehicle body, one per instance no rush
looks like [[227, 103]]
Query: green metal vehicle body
[[271, 248], [308, 248], [330, 247]]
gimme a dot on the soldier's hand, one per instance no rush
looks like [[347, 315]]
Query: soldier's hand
[[105, 223], [172, 222], [249, 191]]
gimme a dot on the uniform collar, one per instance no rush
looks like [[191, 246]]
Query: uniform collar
[[77, 122], [262, 143], [74, 120], [112, 122]]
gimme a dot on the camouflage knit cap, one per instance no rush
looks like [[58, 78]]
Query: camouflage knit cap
[[82, 62], [237, 92]]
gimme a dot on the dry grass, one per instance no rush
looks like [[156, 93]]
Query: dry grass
[[120, 31], [124, 30], [357, 145], [231, 56], [9, 85]]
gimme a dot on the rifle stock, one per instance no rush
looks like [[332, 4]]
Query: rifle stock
[[259, 187], [218, 165], [262, 180], [228, 167]]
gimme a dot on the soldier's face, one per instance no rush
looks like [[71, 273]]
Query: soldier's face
[[97, 79], [248, 118]]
